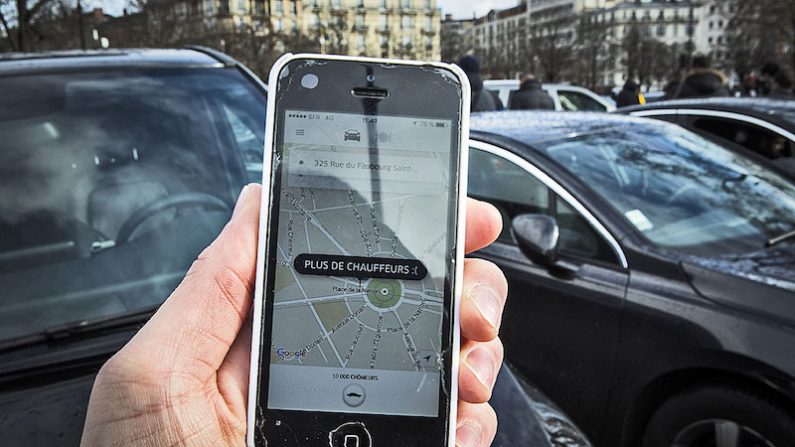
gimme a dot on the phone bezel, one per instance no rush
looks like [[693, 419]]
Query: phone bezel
[[265, 226]]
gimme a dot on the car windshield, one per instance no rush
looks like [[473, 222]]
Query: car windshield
[[111, 183], [680, 190]]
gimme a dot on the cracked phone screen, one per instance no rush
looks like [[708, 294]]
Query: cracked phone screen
[[362, 261]]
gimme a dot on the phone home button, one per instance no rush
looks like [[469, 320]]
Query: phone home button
[[352, 434]]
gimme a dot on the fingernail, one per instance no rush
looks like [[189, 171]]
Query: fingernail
[[241, 198], [468, 434], [489, 304], [482, 363]]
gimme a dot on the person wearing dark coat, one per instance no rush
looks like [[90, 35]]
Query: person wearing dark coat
[[781, 88], [531, 96], [702, 81], [482, 100], [629, 95]]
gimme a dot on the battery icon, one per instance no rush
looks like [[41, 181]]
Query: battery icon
[[441, 124]]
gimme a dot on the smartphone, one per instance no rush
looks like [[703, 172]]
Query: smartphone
[[355, 331]]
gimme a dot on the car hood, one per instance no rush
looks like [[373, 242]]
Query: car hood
[[762, 282]]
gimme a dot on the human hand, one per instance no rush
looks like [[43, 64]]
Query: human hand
[[183, 379]]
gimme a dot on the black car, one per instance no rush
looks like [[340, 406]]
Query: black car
[[651, 277], [762, 127], [116, 169]]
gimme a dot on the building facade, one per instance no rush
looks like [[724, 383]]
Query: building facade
[[686, 27], [377, 28]]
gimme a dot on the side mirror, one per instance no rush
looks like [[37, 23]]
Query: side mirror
[[537, 236]]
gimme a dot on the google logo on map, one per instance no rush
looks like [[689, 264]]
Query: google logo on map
[[290, 355]]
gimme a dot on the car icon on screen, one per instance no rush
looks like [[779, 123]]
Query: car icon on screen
[[353, 135]]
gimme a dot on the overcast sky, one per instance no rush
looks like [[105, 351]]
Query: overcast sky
[[461, 9]]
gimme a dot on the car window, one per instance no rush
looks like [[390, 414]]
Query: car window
[[679, 189], [515, 191], [111, 183], [762, 141], [575, 101], [249, 142]]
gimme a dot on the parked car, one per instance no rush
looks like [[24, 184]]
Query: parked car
[[762, 127], [567, 97], [651, 277], [116, 169]]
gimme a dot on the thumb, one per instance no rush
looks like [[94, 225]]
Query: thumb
[[195, 327]]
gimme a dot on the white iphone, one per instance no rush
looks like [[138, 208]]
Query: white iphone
[[356, 331]]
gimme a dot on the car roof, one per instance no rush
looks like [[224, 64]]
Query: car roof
[[59, 61], [513, 82], [530, 126], [780, 112]]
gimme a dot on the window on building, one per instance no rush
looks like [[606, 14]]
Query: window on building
[[278, 25], [711, 39], [360, 21], [336, 4], [208, 7], [180, 9], [384, 3], [428, 42], [360, 3], [661, 30], [278, 7], [383, 22], [407, 41], [360, 42], [405, 4], [407, 22], [241, 5], [314, 20], [428, 4]]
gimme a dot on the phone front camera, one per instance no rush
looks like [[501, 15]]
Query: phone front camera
[[371, 78], [310, 81]]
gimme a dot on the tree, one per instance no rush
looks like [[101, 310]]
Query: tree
[[551, 47], [594, 52], [646, 59], [20, 17], [761, 31]]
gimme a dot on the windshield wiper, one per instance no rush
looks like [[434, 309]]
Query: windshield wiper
[[78, 328], [779, 239]]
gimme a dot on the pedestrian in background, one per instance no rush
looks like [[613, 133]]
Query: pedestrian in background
[[629, 95], [702, 81], [781, 87], [482, 100], [767, 78], [531, 96]]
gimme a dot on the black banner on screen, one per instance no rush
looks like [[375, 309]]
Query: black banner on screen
[[359, 267]]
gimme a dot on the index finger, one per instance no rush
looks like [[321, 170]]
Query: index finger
[[484, 225]]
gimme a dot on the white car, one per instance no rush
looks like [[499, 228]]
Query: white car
[[568, 98]]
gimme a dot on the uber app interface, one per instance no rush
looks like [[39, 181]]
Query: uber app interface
[[361, 264]]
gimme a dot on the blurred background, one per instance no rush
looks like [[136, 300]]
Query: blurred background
[[599, 44]]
